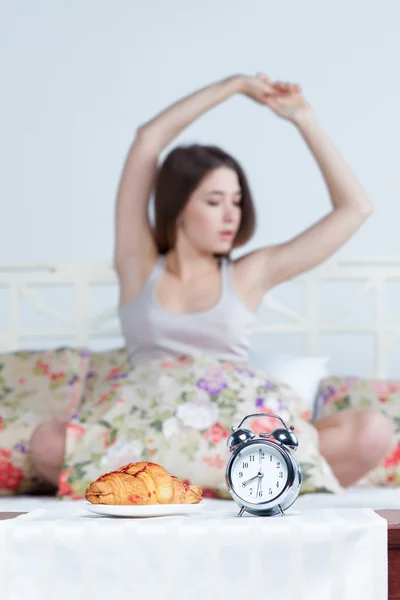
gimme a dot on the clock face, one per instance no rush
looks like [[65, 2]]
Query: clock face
[[259, 473]]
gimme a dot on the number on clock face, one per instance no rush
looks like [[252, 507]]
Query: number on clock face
[[259, 473]]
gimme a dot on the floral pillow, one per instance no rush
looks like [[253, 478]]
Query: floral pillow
[[342, 393], [34, 387], [104, 366], [178, 412]]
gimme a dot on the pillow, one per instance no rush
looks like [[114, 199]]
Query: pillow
[[34, 387], [342, 393], [178, 412], [106, 365], [302, 373]]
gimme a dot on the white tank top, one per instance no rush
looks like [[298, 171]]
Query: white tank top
[[152, 331]]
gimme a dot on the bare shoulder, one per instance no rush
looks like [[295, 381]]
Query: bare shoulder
[[251, 278], [253, 270], [133, 273]]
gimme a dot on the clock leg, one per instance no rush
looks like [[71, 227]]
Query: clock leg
[[241, 511], [281, 511]]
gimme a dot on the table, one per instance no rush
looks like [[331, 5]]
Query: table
[[393, 520]]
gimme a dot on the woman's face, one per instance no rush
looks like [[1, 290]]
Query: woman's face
[[211, 218]]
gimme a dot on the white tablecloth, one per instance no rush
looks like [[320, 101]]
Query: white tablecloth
[[67, 552]]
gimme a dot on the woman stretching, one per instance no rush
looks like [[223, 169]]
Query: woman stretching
[[181, 293]]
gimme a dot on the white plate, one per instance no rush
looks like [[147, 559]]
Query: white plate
[[150, 510]]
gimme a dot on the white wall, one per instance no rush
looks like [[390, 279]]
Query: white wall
[[79, 77]]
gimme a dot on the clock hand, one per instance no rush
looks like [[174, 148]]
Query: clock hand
[[251, 479]]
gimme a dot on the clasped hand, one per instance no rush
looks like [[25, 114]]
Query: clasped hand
[[283, 98]]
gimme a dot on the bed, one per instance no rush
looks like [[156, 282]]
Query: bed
[[346, 309], [350, 303]]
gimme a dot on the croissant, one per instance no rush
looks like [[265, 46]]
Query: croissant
[[141, 483]]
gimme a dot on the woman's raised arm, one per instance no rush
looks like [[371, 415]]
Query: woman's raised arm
[[134, 237], [133, 233]]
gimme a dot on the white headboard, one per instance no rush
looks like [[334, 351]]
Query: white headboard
[[348, 309]]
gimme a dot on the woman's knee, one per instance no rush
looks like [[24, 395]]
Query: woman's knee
[[47, 447], [372, 436]]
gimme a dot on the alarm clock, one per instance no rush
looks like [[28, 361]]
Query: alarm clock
[[262, 475]]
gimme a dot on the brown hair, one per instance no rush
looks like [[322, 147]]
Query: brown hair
[[180, 174]]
